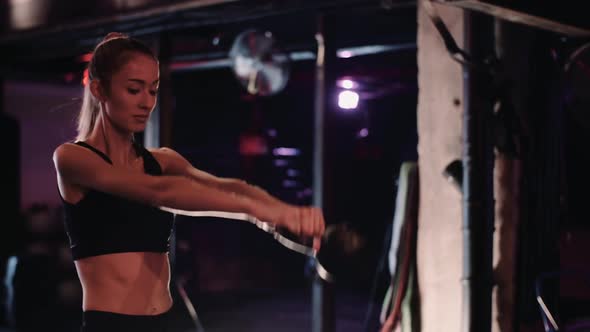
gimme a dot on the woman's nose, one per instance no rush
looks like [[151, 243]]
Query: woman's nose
[[147, 101]]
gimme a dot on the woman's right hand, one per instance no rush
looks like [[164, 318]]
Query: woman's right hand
[[303, 221]]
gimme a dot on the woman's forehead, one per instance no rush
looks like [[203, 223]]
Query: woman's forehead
[[140, 67]]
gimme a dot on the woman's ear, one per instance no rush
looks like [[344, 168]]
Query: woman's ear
[[97, 90]]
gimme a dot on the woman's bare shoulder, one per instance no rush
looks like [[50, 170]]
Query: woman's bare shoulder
[[66, 150], [169, 159], [165, 151]]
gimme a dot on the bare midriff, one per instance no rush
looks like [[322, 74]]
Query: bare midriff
[[134, 283]]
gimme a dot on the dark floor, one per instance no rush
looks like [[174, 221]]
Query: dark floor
[[260, 310], [285, 310]]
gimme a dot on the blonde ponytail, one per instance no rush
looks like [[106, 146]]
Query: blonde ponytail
[[88, 113]]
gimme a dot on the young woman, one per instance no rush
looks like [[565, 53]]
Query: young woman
[[112, 189]]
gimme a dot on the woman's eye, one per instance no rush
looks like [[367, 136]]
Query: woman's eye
[[154, 92], [133, 91]]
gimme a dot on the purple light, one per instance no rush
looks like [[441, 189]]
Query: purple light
[[348, 100], [281, 162], [285, 152], [363, 132], [292, 172], [344, 54], [289, 183], [307, 192], [347, 84]]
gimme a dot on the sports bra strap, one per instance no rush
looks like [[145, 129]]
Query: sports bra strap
[[97, 151]]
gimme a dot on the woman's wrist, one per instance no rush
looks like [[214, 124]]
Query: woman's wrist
[[253, 208]]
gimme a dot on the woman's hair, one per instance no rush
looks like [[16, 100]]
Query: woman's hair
[[109, 55]]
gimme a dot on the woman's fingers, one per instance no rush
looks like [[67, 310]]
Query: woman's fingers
[[312, 222], [309, 222], [296, 224], [317, 242], [320, 224], [317, 224], [304, 221]]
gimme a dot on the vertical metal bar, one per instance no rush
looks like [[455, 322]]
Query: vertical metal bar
[[478, 213], [159, 133], [322, 291], [319, 105], [166, 108], [151, 136]]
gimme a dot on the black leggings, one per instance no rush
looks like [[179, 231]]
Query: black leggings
[[102, 321]]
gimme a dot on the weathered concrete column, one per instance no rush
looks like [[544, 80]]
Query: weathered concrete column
[[439, 114], [440, 240]]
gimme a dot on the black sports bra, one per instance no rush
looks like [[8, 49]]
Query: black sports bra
[[102, 223]]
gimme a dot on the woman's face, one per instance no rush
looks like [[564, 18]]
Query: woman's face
[[133, 93]]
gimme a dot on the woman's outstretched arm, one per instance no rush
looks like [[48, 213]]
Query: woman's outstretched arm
[[174, 163], [78, 166]]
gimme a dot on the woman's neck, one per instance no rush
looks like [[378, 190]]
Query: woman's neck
[[116, 144]]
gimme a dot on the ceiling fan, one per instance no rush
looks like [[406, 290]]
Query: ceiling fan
[[259, 64]]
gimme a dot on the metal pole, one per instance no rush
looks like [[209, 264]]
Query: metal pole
[[478, 158], [157, 134], [318, 143], [322, 291]]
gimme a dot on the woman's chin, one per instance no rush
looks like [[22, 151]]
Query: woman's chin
[[138, 127]]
